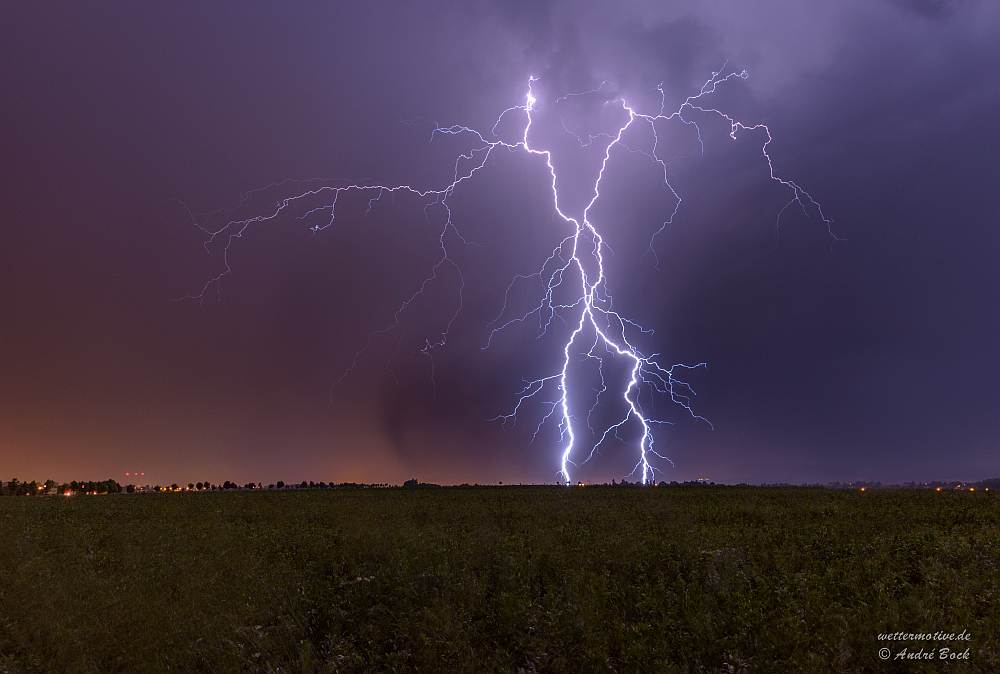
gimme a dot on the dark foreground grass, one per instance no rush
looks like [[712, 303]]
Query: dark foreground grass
[[497, 579]]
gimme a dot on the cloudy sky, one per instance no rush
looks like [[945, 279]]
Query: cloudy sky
[[862, 350]]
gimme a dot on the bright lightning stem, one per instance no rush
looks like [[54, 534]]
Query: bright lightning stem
[[574, 267]]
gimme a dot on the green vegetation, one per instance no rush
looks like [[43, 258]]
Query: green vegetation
[[513, 579]]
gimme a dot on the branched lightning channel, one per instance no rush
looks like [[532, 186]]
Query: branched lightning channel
[[576, 265]]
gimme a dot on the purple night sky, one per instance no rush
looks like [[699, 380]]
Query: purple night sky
[[872, 357]]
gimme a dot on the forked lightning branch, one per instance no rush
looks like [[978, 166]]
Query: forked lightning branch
[[575, 302]]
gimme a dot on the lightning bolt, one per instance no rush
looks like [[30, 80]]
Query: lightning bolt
[[573, 276]]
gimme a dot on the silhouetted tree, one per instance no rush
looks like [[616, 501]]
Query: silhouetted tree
[[281, 484]]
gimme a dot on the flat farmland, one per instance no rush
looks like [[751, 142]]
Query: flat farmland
[[502, 579]]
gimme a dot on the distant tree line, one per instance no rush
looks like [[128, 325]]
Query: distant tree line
[[309, 484], [280, 484], [33, 488], [412, 484], [17, 488]]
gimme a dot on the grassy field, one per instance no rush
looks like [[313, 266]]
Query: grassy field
[[512, 579]]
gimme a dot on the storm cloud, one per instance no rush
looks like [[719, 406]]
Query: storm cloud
[[868, 354]]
